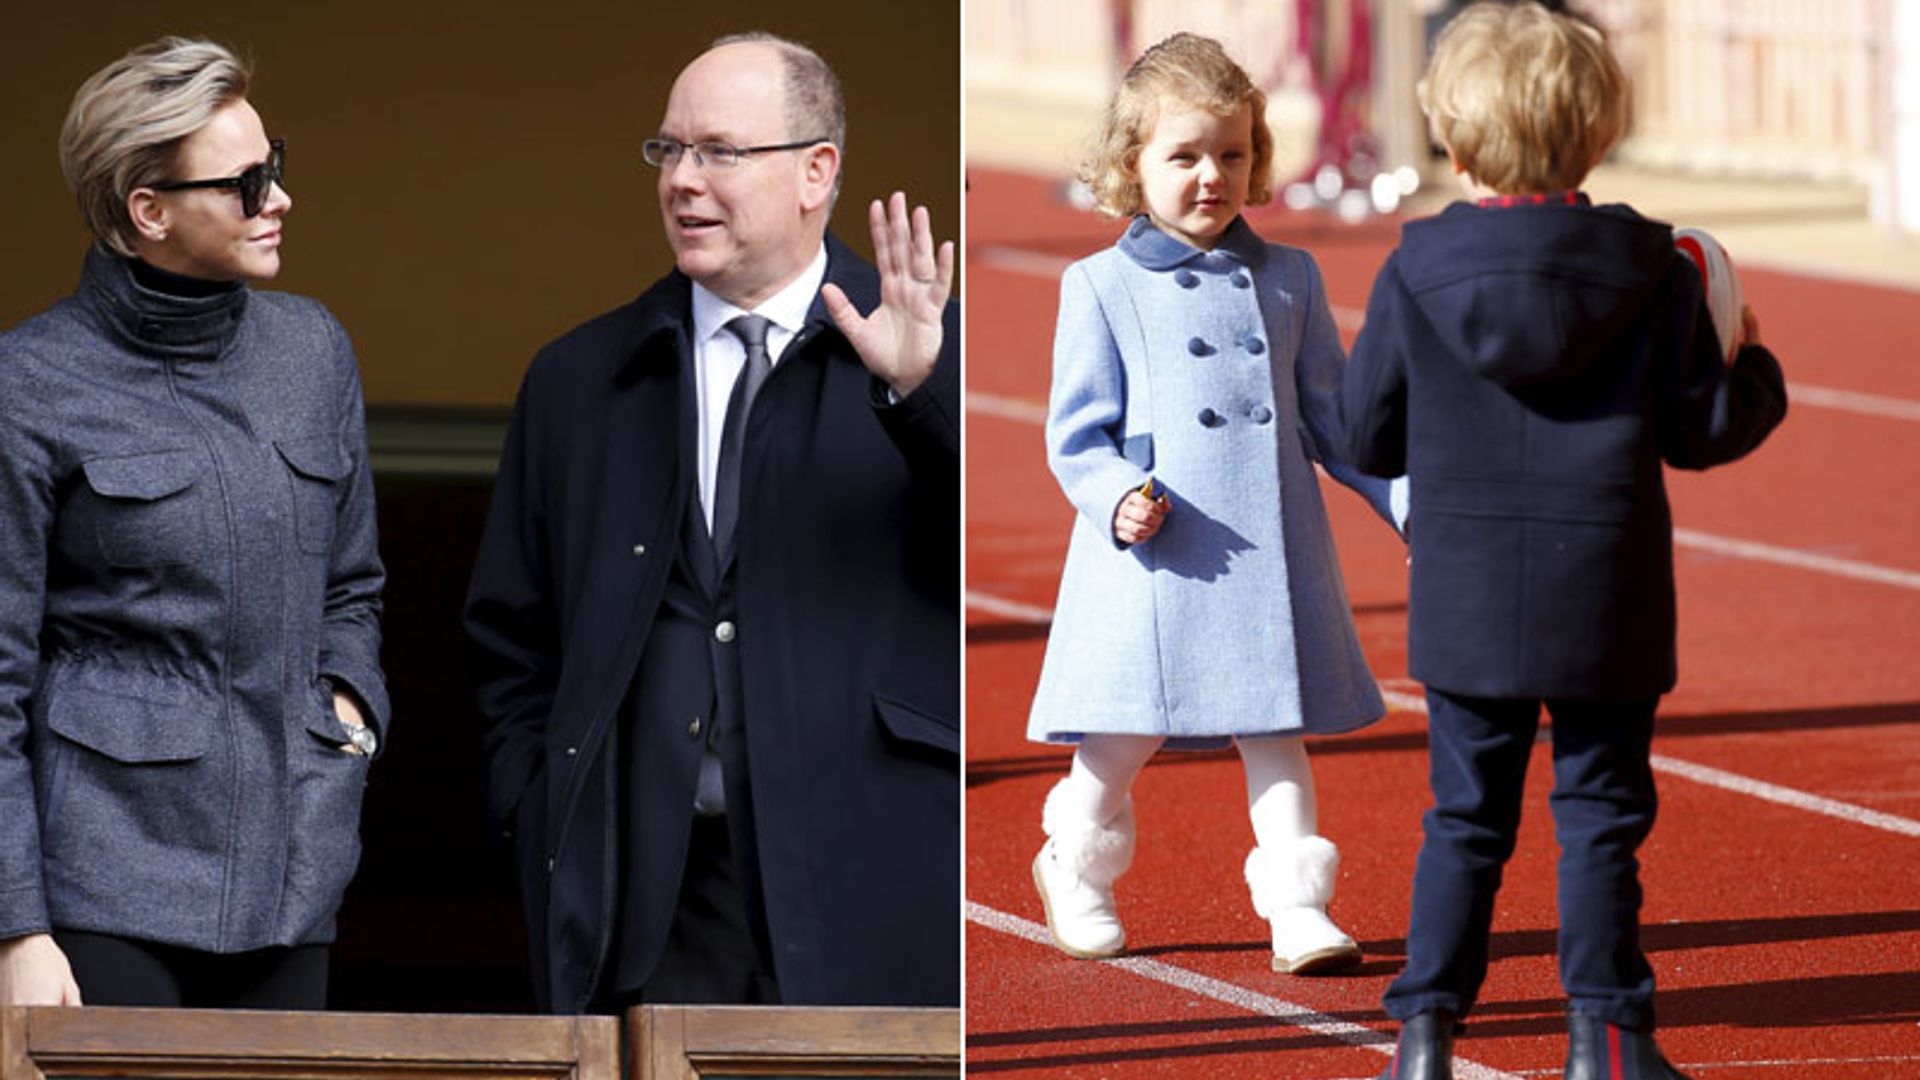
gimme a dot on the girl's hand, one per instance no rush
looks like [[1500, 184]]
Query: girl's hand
[[1139, 517], [33, 971]]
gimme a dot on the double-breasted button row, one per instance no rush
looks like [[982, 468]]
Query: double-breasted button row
[[1200, 346], [1187, 279], [1210, 418]]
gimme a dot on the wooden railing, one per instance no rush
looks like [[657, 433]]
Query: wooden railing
[[660, 1043]]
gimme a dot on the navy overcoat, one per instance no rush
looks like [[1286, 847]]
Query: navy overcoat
[[848, 588], [1531, 368]]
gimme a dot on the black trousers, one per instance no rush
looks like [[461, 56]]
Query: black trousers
[[124, 971], [1603, 805], [718, 948]]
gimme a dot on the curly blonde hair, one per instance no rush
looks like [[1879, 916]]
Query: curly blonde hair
[[1527, 100], [1185, 68]]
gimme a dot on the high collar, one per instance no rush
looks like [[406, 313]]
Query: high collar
[[157, 323], [1146, 245]]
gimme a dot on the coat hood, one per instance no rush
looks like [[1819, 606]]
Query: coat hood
[[1531, 294]]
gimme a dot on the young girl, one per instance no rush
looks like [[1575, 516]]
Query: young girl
[[1196, 377]]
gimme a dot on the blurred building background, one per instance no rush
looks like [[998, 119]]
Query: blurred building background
[[1749, 114]]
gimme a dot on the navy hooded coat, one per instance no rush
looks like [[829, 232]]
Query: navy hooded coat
[[1531, 368]]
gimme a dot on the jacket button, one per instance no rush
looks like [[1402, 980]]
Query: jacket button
[[1186, 278], [549, 864], [1240, 279], [639, 549], [1209, 418], [693, 728], [1260, 414], [723, 633], [1256, 346], [1199, 347], [573, 751]]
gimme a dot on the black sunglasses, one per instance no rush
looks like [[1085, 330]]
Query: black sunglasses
[[253, 183]]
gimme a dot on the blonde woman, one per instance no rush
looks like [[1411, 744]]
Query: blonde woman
[[190, 689]]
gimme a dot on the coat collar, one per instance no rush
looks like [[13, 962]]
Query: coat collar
[[156, 323], [662, 317], [1154, 250]]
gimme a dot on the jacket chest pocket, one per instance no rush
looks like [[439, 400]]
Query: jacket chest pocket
[[150, 509], [318, 467]]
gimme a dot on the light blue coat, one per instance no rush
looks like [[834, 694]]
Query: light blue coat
[[1217, 374]]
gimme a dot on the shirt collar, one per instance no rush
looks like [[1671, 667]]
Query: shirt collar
[[787, 309], [1552, 198], [1147, 245]]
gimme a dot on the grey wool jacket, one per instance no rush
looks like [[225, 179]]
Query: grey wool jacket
[[188, 565]]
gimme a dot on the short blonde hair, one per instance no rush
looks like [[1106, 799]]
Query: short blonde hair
[[127, 121], [1186, 68], [1527, 100]]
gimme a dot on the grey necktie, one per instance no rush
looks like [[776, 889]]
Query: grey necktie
[[752, 332]]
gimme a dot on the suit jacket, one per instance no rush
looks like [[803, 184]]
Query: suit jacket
[[847, 587], [1530, 368]]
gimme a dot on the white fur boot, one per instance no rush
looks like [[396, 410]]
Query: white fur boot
[[1075, 871], [1291, 887]]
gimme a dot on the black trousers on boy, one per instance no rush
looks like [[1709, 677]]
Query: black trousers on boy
[[1603, 808]]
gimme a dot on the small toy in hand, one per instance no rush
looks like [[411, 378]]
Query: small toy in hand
[[1724, 297]]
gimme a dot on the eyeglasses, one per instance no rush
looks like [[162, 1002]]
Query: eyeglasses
[[253, 183], [665, 153]]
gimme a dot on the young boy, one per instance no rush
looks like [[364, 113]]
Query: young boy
[[1530, 360]]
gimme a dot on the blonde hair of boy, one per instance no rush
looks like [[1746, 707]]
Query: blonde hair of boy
[[1185, 68], [1526, 100], [127, 121]]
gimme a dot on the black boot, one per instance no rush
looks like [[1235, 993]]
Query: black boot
[[1597, 1050], [1425, 1050]]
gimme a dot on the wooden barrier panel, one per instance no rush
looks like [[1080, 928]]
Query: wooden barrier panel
[[685, 1042], [188, 1044]]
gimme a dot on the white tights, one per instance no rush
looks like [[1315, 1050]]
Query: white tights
[[1280, 797]]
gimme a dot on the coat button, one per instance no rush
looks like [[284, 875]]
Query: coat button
[[639, 549], [693, 728], [1256, 346], [1199, 347], [723, 633], [1185, 278], [1209, 418], [1240, 279], [1260, 414], [573, 751]]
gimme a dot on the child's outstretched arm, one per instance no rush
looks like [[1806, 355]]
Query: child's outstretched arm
[[1373, 389], [1086, 419], [1317, 376]]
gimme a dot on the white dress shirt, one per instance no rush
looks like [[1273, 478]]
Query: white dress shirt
[[718, 356]]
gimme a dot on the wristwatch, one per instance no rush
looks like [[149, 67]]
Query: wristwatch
[[362, 738]]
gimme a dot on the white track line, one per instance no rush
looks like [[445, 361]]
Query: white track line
[[1227, 993], [1799, 560], [1401, 701], [1043, 265], [1732, 547]]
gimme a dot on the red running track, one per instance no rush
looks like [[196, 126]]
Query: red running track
[[1783, 881]]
